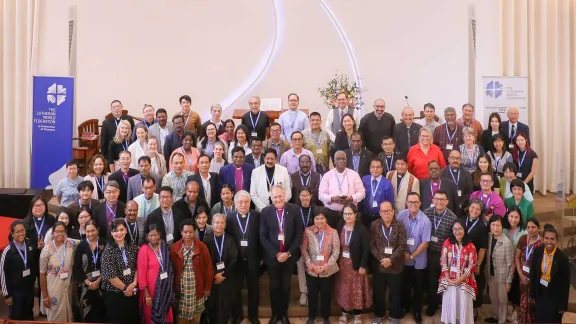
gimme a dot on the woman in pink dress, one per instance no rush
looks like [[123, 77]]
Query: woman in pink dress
[[155, 279]]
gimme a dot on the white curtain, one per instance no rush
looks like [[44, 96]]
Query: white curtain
[[19, 21], [538, 41]]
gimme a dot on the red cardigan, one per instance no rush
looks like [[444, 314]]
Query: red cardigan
[[201, 262]]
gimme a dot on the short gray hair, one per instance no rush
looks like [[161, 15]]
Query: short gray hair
[[255, 97], [240, 194], [449, 110], [215, 106], [277, 186], [218, 215], [111, 183], [468, 130], [339, 152]]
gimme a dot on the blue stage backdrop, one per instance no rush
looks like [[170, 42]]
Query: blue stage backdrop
[[52, 122]]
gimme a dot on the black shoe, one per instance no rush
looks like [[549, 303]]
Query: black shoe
[[236, 320], [490, 320], [310, 321], [430, 311], [285, 320], [418, 318], [325, 321], [255, 320], [273, 320]]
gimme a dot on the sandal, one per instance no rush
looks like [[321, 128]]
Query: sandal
[[343, 319], [358, 319]]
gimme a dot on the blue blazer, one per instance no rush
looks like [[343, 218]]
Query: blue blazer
[[384, 192], [521, 128], [227, 175]]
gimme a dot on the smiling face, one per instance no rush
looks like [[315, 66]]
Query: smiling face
[[72, 171], [148, 189], [486, 182], [429, 113], [153, 237], [116, 109], [550, 240], [293, 102], [204, 164], [517, 192], [59, 234], [356, 142], [342, 101], [455, 159], [474, 211], [305, 198], [468, 139], [376, 168], [440, 201], [270, 160], [211, 131], [91, 232], [216, 113], [408, 116], [124, 130], [38, 209], [178, 163], [19, 233], [498, 145], [509, 175], [304, 163], [119, 233], [178, 125], [219, 225], [315, 122], [201, 220], [192, 190], [521, 142], [388, 146], [241, 136], [242, 204], [98, 166], [125, 158], [165, 199], [187, 142], [229, 128], [425, 138], [467, 112], [514, 218], [162, 118], [348, 123], [450, 117], [226, 195], [111, 194], [513, 114], [256, 147], [320, 222], [185, 105], [238, 159], [278, 197], [386, 212], [64, 218], [483, 164], [340, 161], [379, 108], [152, 145], [218, 151], [297, 141], [275, 131], [131, 211], [141, 134], [458, 231], [85, 193], [349, 215], [149, 114], [496, 227], [413, 203], [434, 170], [83, 218], [254, 105]]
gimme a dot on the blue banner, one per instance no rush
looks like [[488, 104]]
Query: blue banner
[[52, 129]]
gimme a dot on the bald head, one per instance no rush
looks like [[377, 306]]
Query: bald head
[[513, 114], [407, 115]]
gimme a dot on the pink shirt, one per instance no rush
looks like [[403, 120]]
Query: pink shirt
[[239, 176], [336, 184]]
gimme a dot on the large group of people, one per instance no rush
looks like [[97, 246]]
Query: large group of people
[[176, 216]]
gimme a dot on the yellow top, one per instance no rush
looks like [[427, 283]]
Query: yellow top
[[547, 264]]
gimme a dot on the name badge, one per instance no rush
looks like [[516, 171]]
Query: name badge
[[526, 269], [126, 272], [280, 237], [169, 237], [163, 275], [374, 204], [244, 243], [410, 241], [254, 134], [511, 145], [449, 146], [64, 275], [455, 269], [543, 282], [26, 273], [220, 266], [432, 206], [433, 239], [388, 250], [95, 274], [320, 258], [29, 248], [319, 151], [459, 193], [519, 174], [346, 254]]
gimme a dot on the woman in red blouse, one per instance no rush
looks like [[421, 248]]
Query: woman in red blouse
[[420, 154]]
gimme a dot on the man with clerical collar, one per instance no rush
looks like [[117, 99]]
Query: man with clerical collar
[[376, 125], [238, 173], [109, 125], [111, 209], [428, 121], [134, 224], [460, 176], [166, 218], [209, 187], [339, 186], [148, 200], [244, 226], [512, 127], [216, 113], [378, 190], [85, 189], [192, 201], [148, 114], [305, 177], [442, 220], [161, 129], [358, 158], [176, 179], [123, 175], [467, 120], [191, 118], [493, 203], [335, 115], [430, 185], [174, 140], [418, 229], [290, 158], [256, 120], [135, 182], [275, 142], [317, 141], [293, 119], [388, 153], [403, 183], [264, 177], [256, 158], [448, 136], [406, 132], [281, 233]]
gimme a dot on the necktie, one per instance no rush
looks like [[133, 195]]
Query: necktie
[[280, 243], [408, 132], [375, 186], [512, 132], [341, 114]]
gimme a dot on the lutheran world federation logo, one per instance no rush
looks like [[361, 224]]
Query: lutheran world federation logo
[[494, 89], [56, 94]]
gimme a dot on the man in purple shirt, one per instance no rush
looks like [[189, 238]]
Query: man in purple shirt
[[418, 229], [493, 203], [290, 158]]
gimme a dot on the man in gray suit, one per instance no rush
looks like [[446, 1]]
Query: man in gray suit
[[134, 225], [135, 182], [161, 129]]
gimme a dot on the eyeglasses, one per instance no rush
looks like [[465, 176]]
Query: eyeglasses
[[348, 214], [386, 211], [38, 206], [440, 199], [379, 106], [375, 167], [455, 158], [412, 202], [297, 139], [457, 230], [111, 191], [293, 100], [165, 197], [485, 181], [59, 232]]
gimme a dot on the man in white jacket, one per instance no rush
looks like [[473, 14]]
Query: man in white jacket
[[267, 175]]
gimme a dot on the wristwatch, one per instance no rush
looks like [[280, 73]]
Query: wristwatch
[[289, 255]]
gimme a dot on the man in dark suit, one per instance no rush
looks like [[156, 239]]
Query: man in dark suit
[[281, 231], [111, 209], [135, 182], [430, 185], [166, 218], [174, 139], [305, 177], [243, 225], [549, 279], [229, 172], [189, 205], [123, 175], [256, 158], [358, 159], [134, 224], [406, 132], [460, 177], [209, 186], [109, 125], [512, 126]]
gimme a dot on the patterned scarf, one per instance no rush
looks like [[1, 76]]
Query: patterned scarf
[[163, 293]]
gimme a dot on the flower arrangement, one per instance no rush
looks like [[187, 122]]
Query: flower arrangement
[[342, 83]]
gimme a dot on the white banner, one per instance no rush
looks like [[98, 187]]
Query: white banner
[[502, 92]]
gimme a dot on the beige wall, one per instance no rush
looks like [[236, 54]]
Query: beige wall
[[144, 51]]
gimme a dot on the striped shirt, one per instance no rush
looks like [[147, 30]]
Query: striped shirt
[[441, 227]]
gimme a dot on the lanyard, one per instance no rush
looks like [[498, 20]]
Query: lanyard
[[39, 229], [159, 255], [89, 203], [61, 256], [497, 159], [437, 224], [487, 203], [124, 257], [473, 224], [346, 237], [270, 181], [23, 256], [356, 161], [307, 183], [252, 120], [187, 119], [280, 221], [125, 145], [529, 251], [147, 211], [110, 210], [456, 255], [190, 161], [243, 230], [94, 256], [412, 225], [520, 162], [456, 181], [220, 248], [168, 225], [340, 183], [130, 231], [224, 209], [391, 164], [387, 237], [305, 221], [100, 183], [374, 190], [321, 242], [547, 263], [450, 138]]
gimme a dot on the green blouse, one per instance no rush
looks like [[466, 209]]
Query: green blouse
[[526, 207]]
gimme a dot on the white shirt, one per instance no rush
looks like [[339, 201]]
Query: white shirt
[[207, 191]]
